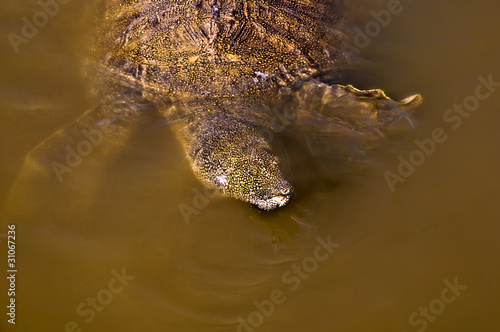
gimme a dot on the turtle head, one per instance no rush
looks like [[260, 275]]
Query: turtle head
[[239, 161], [255, 177]]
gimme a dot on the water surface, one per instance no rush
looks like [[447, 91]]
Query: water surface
[[393, 253]]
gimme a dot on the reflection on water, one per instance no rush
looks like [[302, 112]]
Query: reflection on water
[[108, 249]]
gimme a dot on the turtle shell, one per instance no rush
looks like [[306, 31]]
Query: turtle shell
[[218, 48]]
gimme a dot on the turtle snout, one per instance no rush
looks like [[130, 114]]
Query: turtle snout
[[279, 198]]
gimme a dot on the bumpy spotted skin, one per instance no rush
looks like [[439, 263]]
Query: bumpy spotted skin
[[218, 48], [229, 149]]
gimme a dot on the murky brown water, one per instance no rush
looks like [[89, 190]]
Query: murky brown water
[[400, 260]]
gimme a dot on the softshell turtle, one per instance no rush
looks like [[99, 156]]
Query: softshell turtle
[[220, 71]]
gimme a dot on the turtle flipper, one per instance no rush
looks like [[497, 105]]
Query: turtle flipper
[[64, 168], [342, 122]]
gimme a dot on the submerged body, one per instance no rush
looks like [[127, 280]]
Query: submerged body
[[220, 61]]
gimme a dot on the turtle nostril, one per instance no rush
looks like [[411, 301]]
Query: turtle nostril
[[285, 191], [288, 190]]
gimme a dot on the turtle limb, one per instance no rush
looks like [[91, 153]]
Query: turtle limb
[[65, 166], [342, 122]]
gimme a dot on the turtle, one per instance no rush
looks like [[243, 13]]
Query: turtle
[[225, 74]]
